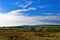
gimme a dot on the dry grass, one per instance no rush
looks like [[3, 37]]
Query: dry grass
[[16, 35]]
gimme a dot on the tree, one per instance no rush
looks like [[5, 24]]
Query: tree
[[38, 29], [32, 28]]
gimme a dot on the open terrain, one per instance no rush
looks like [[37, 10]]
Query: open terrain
[[16, 35], [47, 33]]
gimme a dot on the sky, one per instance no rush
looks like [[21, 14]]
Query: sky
[[29, 12]]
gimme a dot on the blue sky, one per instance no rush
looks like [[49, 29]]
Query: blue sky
[[34, 11]]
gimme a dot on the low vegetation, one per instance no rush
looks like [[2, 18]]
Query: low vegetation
[[32, 33]]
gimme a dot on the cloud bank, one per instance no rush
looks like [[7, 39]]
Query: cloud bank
[[16, 18]]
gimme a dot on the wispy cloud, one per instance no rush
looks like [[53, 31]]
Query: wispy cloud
[[58, 14], [52, 14], [24, 6], [28, 3], [44, 6], [48, 13], [2, 10]]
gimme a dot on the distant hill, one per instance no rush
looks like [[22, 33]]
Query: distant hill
[[28, 26]]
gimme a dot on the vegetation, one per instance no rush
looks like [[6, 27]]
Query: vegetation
[[32, 33]]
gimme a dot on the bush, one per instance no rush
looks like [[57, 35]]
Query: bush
[[51, 29]]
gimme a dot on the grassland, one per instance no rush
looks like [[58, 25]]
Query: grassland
[[28, 34]]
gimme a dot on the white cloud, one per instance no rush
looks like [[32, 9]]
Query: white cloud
[[26, 4], [58, 14], [48, 13], [32, 8], [2, 10], [43, 6], [16, 18]]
